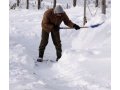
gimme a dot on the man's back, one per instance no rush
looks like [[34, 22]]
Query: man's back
[[50, 19]]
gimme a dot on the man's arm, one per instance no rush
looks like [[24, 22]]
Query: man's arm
[[67, 21]]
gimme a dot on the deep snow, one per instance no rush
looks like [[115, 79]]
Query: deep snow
[[85, 64]]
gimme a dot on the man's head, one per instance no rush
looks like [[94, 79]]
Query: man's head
[[58, 10]]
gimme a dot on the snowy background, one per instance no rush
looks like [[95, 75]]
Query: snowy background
[[86, 59]]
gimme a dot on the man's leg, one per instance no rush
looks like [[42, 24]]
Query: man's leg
[[43, 43], [57, 42]]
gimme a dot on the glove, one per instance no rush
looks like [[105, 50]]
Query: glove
[[56, 27], [76, 26]]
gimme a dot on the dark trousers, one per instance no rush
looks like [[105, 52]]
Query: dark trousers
[[56, 41]]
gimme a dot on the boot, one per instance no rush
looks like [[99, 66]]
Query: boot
[[40, 59], [57, 59], [58, 56]]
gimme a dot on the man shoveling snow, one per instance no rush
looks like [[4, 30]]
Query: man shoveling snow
[[51, 24]]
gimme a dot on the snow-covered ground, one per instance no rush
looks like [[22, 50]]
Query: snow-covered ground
[[85, 63]]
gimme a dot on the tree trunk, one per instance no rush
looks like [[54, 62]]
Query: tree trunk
[[27, 7], [67, 6], [74, 2], [18, 2], [39, 4], [54, 4], [84, 18], [96, 3], [104, 6]]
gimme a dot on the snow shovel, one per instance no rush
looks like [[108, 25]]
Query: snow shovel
[[92, 26]]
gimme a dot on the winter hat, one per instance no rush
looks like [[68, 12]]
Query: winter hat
[[58, 9]]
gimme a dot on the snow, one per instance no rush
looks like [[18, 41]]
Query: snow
[[86, 59]]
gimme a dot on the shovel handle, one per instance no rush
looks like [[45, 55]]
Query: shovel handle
[[71, 28]]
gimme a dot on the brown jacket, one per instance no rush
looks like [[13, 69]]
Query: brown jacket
[[50, 20]]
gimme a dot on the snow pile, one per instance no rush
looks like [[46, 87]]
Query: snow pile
[[85, 64]]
